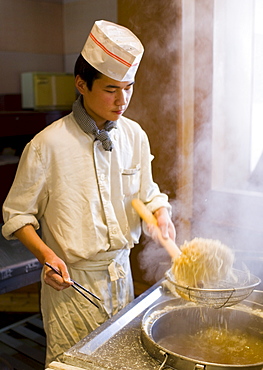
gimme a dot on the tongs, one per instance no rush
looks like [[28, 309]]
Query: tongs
[[77, 286]]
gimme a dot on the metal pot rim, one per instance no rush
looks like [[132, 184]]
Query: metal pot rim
[[155, 312]]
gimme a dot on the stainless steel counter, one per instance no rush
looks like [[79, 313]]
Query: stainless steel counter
[[116, 344]]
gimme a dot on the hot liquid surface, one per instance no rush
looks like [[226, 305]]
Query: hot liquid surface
[[223, 346]]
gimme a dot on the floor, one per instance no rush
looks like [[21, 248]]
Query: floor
[[22, 342]]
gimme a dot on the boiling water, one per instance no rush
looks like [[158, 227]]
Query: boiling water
[[221, 346]]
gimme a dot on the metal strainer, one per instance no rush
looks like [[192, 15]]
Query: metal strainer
[[227, 293]]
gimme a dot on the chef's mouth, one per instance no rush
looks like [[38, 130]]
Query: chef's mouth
[[119, 112]]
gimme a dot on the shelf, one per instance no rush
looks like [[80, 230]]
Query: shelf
[[26, 122]]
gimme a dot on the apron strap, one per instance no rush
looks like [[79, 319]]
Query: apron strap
[[116, 271]]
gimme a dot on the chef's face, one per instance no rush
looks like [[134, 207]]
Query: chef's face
[[107, 100]]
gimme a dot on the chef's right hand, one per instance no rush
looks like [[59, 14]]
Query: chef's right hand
[[53, 279]]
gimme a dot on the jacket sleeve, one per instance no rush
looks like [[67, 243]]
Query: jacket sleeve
[[27, 198]]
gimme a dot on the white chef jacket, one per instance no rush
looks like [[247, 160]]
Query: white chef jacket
[[81, 193], [82, 196]]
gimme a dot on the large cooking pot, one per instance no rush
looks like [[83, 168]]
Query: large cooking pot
[[188, 336]]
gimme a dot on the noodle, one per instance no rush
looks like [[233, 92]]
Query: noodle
[[203, 263]]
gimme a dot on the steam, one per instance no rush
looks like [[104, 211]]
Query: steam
[[153, 260], [224, 208]]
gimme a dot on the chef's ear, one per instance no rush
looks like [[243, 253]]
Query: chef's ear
[[80, 84]]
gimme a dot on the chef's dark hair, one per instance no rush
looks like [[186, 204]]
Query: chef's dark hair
[[88, 73]]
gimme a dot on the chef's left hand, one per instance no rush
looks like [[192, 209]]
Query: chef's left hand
[[165, 223]]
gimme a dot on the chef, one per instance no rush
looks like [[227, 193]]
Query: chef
[[76, 179]]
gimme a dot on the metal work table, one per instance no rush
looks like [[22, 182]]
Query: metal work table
[[18, 266], [116, 344]]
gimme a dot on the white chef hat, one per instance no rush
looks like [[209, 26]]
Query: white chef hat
[[113, 50]]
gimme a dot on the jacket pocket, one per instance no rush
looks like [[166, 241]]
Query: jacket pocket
[[131, 180]]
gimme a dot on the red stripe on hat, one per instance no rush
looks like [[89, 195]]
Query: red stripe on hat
[[109, 52]]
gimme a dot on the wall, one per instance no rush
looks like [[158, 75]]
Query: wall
[[31, 40], [44, 35], [79, 16], [154, 100]]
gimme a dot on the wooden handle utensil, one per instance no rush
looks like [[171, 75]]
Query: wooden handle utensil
[[149, 218]]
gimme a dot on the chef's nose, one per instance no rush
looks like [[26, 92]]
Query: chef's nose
[[121, 98]]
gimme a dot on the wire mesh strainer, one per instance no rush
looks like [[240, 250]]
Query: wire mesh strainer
[[227, 293]]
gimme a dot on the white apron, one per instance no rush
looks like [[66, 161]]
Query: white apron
[[68, 317]]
